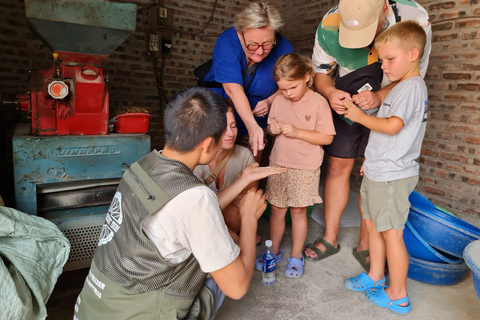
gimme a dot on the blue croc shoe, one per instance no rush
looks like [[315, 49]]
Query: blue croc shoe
[[259, 260], [379, 297], [294, 268], [364, 282]]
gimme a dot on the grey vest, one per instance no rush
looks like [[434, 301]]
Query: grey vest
[[128, 261]]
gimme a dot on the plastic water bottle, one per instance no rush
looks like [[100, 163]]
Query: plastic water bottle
[[269, 265]]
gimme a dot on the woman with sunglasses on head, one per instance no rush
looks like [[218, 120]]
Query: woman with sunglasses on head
[[243, 60]]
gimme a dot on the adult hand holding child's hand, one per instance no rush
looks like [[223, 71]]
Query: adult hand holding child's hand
[[367, 100]]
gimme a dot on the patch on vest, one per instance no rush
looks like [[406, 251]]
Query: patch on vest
[[113, 220]]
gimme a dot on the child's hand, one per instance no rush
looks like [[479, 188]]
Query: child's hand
[[361, 170], [290, 130], [275, 128], [352, 112]]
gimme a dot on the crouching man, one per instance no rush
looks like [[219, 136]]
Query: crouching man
[[164, 250]]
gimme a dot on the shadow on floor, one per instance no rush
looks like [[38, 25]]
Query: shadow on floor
[[319, 294]]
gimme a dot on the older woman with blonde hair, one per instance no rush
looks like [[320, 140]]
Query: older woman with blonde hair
[[243, 60]]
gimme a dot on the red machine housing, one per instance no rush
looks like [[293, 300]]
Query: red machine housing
[[82, 111]]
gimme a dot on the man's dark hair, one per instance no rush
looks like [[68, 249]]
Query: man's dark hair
[[192, 116]]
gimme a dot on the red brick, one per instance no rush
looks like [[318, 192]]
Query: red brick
[[462, 168], [462, 128], [473, 211], [475, 118], [471, 180], [444, 37], [442, 26], [468, 86], [442, 173], [455, 117], [433, 191], [428, 180], [441, 6], [454, 157], [446, 135], [429, 152], [472, 139], [467, 23], [456, 97], [456, 76], [466, 56], [453, 147], [431, 162], [452, 14], [471, 35], [442, 57]]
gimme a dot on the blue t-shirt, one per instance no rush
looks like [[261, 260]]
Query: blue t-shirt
[[229, 61]]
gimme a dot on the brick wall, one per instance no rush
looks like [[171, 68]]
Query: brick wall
[[302, 18], [451, 151]]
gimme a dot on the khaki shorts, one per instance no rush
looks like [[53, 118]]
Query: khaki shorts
[[386, 203], [294, 188]]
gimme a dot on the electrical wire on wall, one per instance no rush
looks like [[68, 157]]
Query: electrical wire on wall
[[158, 20], [162, 97]]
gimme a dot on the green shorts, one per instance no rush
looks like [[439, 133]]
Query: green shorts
[[386, 203]]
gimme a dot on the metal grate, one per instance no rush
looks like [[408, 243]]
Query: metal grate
[[83, 242]]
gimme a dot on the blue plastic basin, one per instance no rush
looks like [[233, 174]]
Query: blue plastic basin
[[440, 274], [471, 254], [442, 231], [418, 248]]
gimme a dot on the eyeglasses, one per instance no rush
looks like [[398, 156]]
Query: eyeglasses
[[254, 47]]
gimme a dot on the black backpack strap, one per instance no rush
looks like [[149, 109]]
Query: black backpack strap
[[250, 71], [201, 71], [278, 38]]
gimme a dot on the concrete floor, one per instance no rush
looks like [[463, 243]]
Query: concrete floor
[[319, 294]]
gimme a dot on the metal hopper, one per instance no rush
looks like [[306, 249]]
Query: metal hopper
[[81, 30]]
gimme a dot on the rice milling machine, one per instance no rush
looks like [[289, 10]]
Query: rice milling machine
[[66, 164]]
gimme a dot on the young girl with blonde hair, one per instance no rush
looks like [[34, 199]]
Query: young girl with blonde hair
[[301, 121]]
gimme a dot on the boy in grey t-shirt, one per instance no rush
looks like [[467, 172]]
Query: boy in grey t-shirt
[[390, 168]]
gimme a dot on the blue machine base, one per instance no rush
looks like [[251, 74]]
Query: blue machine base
[[77, 173]]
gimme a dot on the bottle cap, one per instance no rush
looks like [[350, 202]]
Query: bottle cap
[[268, 243]]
